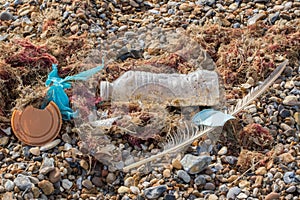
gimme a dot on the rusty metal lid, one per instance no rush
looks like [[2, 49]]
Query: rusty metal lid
[[37, 127]]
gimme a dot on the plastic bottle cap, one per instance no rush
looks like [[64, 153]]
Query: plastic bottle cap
[[37, 127]]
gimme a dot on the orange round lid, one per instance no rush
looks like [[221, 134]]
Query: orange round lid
[[37, 127]]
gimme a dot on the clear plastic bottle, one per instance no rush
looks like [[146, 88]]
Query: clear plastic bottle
[[198, 88]]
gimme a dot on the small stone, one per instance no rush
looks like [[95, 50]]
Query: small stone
[[123, 189], [242, 196], [46, 186], [84, 164], [297, 117], [67, 184], [272, 196], [184, 176], [287, 157], [129, 182], [244, 184], [176, 164], [134, 189], [50, 145], [23, 182], [123, 28], [155, 192], [47, 165], [222, 151], [35, 151], [97, 181], [255, 18], [291, 100], [291, 189], [233, 192], [167, 173], [233, 6], [289, 177], [169, 197], [55, 175], [200, 180], [4, 140], [261, 171], [66, 138], [74, 28], [111, 177], [5, 16], [9, 185], [186, 7], [213, 197], [285, 113], [195, 164], [209, 186], [84, 26], [87, 184], [36, 192]]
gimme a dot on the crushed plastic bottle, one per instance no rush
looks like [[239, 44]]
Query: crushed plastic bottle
[[199, 88]]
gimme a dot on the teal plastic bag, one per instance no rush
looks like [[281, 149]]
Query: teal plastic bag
[[211, 117], [57, 86]]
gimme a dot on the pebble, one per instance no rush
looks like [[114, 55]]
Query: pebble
[[35, 151], [46, 186], [87, 184], [4, 140], [291, 189], [129, 182], [186, 7], [242, 196], [67, 184], [195, 164], [209, 186], [55, 175], [261, 171], [297, 117], [200, 180], [134, 189], [184, 176], [176, 164], [155, 192], [84, 164], [47, 165], [289, 177], [169, 197], [23, 182], [213, 197], [272, 196], [123, 189], [255, 18], [111, 177], [9, 185], [291, 100], [233, 192], [222, 151], [50, 145], [5, 16], [287, 157], [167, 173]]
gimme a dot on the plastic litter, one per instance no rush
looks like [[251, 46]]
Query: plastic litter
[[57, 85], [37, 127], [197, 88], [211, 117]]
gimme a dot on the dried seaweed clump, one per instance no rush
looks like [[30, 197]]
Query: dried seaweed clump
[[251, 52], [255, 137], [247, 159]]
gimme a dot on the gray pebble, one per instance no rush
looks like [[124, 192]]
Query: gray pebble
[[289, 177], [291, 189], [67, 184], [155, 192], [5, 16], [195, 164], [47, 165], [233, 192], [209, 186], [50, 145], [23, 182], [9, 185], [184, 176], [200, 180]]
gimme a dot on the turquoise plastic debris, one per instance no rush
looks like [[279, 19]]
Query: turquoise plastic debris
[[211, 117], [57, 86]]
